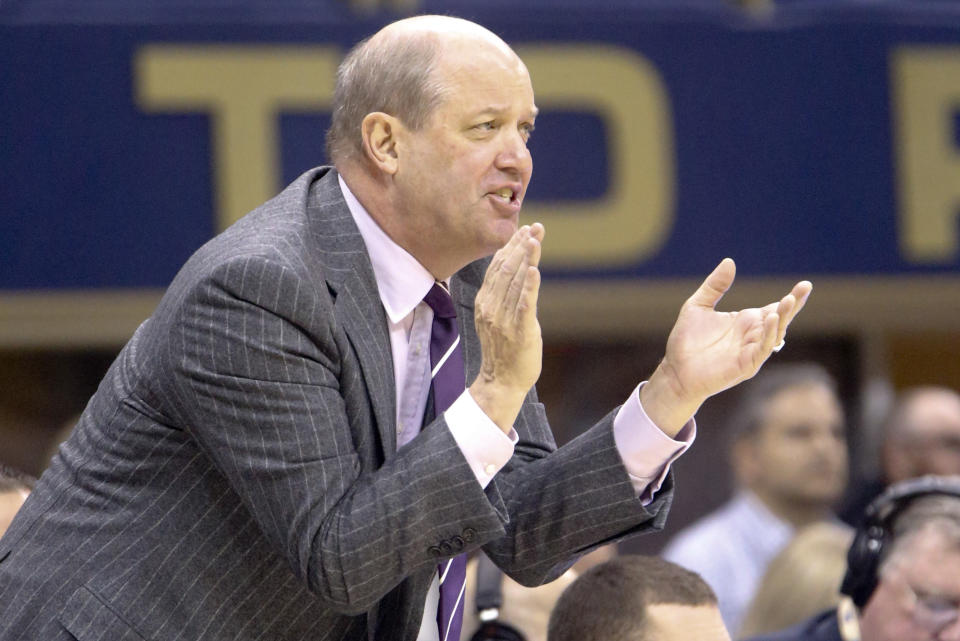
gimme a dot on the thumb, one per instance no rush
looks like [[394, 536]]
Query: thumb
[[715, 285]]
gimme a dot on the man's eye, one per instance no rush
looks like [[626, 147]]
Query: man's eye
[[486, 126], [527, 131], [799, 432], [936, 603]]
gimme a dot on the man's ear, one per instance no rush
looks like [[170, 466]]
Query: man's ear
[[896, 462], [380, 132]]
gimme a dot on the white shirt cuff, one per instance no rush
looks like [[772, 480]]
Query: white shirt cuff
[[646, 451], [484, 445]]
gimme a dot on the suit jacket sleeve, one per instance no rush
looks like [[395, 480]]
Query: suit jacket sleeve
[[556, 504]]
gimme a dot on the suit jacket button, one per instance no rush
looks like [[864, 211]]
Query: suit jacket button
[[446, 548], [457, 543], [469, 534], [435, 550]]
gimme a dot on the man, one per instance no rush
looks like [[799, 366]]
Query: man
[[903, 574], [920, 436], [278, 452], [637, 598], [14, 489], [497, 606], [789, 456]]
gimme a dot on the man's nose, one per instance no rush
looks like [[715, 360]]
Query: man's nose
[[514, 153]]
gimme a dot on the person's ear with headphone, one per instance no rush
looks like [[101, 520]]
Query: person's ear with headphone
[[903, 568]]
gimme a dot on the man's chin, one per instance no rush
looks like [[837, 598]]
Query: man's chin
[[504, 229]]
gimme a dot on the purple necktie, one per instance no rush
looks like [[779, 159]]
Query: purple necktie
[[447, 374]]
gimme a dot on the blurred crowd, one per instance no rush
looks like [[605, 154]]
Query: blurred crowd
[[774, 556]]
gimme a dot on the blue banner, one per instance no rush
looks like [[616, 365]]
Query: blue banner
[[807, 142]]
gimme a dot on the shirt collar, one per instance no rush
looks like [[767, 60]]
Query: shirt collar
[[401, 280], [761, 520]]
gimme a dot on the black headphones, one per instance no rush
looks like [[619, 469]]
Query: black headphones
[[489, 600], [496, 631], [874, 535]]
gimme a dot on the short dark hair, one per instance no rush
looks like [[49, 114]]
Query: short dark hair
[[12, 479], [609, 601], [750, 413]]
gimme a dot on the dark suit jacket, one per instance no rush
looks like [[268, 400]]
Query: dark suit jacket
[[236, 474]]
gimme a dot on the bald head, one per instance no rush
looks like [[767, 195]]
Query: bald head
[[398, 71], [445, 28], [922, 434]]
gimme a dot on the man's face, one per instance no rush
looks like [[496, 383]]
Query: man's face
[[933, 443], [672, 622], [462, 177], [799, 453], [918, 593], [10, 503]]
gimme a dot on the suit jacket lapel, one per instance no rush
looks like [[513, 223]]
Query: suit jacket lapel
[[357, 306], [463, 288]]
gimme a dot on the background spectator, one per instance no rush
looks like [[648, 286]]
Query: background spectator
[[920, 435], [526, 610], [637, 597], [789, 456], [903, 571], [802, 580], [15, 487]]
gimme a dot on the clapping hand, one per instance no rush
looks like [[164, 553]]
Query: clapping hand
[[709, 351]]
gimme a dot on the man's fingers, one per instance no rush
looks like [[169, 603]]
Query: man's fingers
[[514, 292], [512, 283], [537, 231], [527, 304], [785, 310], [502, 254], [771, 335], [534, 249], [505, 263], [716, 284], [801, 292], [791, 304]]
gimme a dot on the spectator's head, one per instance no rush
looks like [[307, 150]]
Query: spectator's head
[[922, 434], [789, 445], [904, 564], [637, 598], [802, 580], [15, 486]]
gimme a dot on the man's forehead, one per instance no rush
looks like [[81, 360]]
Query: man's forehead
[[502, 108], [934, 405], [486, 85]]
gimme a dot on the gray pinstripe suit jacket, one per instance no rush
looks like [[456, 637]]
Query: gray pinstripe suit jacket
[[236, 474]]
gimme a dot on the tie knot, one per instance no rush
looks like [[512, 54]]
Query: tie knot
[[439, 300]]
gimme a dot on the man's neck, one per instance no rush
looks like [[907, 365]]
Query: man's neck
[[374, 195], [796, 513]]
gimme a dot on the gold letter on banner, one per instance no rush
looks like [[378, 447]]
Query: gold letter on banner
[[926, 104], [243, 88], [631, 221]]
